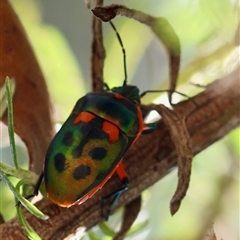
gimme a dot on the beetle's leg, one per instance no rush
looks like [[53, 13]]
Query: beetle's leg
[[38, 184], [116, 194]]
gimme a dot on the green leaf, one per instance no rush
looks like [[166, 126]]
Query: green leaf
[[138, 227], [28, 205], [3, 96], [9, 83], [93, 236], [106, 229], [28, 176], [31, 234]]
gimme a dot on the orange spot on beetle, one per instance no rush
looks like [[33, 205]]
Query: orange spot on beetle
[[84, 117], [111, 130], [141, 125], [118, 96], [121, 171]]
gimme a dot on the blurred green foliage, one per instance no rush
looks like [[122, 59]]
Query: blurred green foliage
[[206, 29]]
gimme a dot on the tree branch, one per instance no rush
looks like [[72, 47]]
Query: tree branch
[[150, 159], [98, 53]]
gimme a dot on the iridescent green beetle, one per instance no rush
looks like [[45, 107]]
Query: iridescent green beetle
[[90, 145]]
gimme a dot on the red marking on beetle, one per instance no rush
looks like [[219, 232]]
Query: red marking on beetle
[[118, 96], [141, 125], [62, 203], [84, 117], [111, 130], [121, 171]]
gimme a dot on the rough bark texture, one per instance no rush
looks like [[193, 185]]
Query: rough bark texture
[[151, 158], [98, 53]]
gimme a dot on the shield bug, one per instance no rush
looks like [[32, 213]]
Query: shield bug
[[91, 143]]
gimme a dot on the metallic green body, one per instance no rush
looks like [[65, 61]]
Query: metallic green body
[[81, 156]]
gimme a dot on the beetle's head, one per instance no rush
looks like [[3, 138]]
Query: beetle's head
[[128, 91]]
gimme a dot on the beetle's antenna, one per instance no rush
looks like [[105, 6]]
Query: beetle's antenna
[[124, 53], [170, 91]]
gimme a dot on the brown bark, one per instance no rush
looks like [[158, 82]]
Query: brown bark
[[98, 53], [151, 158], [31, 104]]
